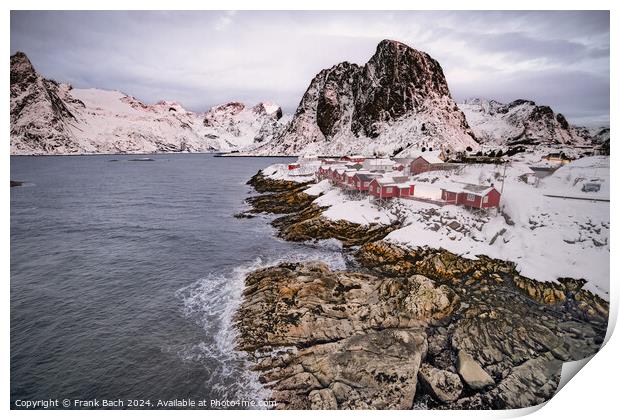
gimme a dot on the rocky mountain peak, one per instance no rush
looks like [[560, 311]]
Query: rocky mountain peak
[[398, 100], [396, 80], [268, 108], [22, 70]]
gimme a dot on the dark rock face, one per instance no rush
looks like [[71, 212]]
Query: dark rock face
[[562, 121], [22, 71], [398, 83], [395, 81], [339, 87]]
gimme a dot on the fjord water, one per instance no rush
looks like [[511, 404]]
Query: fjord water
[[125, 276]]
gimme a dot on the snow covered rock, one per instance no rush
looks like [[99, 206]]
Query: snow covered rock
[[398, 101], [40, 119], [520, 122]]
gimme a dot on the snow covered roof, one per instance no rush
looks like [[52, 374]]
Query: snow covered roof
[[522, 168], [379, 162], [393, 180], [431, 158], [462, 187], [366, 176]]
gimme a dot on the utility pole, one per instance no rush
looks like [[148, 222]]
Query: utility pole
[[503, 178]]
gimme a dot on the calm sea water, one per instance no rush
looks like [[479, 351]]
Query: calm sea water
[[125, 276]]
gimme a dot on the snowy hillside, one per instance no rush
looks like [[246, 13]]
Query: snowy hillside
[[519, 122], [547, 236], [52, 118]]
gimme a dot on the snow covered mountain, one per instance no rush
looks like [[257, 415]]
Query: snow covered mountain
[[520, 122], [52, 118], [397, 102]]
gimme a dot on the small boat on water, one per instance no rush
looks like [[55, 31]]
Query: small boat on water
[[142, 160]]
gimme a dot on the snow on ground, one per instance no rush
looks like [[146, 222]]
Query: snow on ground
[[319, 188], [547, 237], [428, 191], [570, 179], [280, 172], [362, 211]]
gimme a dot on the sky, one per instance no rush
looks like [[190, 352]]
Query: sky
[[204, 58]]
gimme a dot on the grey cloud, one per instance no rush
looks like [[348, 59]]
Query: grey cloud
[[205, 58]]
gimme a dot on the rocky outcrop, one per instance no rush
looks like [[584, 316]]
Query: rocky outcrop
[[400, 95], [360, 338], [480, 340], [393, 260], [407, 328], [303, 220], [355, 339], [316, 227], [263, 184]]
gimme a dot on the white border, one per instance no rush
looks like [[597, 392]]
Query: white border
[[591, 395]]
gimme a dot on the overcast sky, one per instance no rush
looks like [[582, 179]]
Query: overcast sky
[[202, 59]]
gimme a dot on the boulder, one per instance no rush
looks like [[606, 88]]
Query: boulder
[[443, 385], [472, 373]]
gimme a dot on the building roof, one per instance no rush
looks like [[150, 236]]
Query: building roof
[[366, 176], [394, 180], [430, 158], [379, 162], [522, 167], [462, 187]]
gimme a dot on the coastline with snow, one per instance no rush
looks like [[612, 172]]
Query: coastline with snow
[[440, 283]]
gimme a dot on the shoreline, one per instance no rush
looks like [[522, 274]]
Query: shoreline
[[481, 294]]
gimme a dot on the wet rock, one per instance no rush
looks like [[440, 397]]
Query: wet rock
[[441, 384], [350, 234], [472, 373]]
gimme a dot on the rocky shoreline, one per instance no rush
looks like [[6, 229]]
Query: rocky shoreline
[[405, 328]]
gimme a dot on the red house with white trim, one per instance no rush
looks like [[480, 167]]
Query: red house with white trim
[[390, 187], [470, 195], [362, 181]]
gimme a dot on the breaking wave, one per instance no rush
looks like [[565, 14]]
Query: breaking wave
[[212, 302]]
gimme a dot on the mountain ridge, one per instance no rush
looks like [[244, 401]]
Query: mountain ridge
[[48, 117]]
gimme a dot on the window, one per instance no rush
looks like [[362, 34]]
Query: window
[[485, 199], [388, 190], [471, 197], [365, 183]]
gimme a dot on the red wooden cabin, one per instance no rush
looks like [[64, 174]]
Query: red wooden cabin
[[424, 164], [390, 187], [362, 181], [474, 196]]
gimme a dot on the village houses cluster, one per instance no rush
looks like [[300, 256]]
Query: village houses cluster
[[385, 179]]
